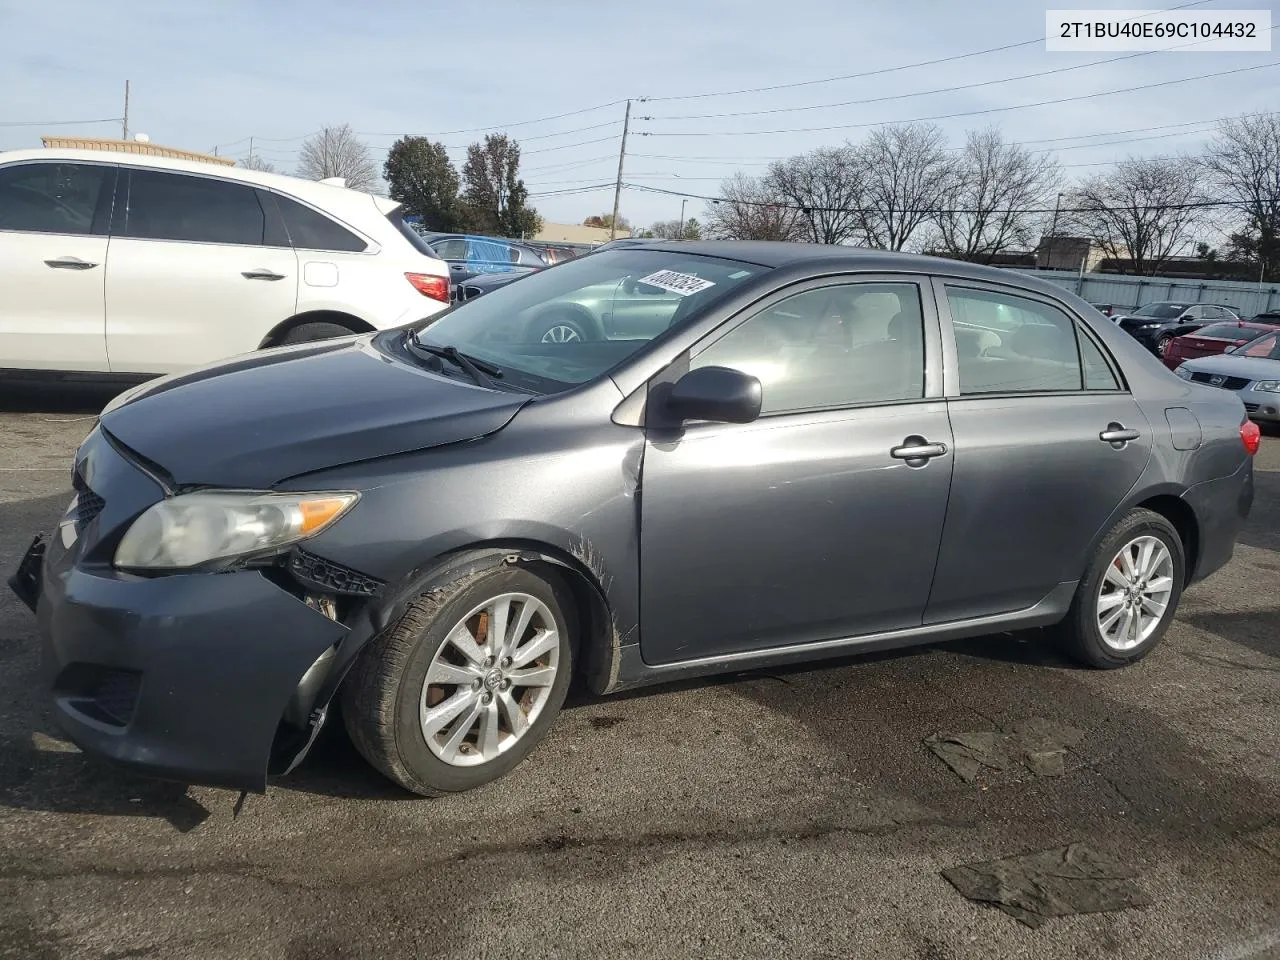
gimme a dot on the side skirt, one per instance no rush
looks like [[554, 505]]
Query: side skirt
[[634, 672]]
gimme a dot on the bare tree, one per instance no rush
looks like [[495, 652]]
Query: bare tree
[[676, 230], [904, 173], [986, 205], [747, 210], [1143, 211], [338, 152], [255, 161], [823, 187], [1243, 164]]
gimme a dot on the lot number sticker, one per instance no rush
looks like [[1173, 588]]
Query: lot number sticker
[[680, 283]]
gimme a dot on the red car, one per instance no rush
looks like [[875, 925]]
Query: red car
[[1214, 339]]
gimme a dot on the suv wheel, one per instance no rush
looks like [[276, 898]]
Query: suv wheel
[[1129, 594], [466, 684], [308, 332], [1162, 344]]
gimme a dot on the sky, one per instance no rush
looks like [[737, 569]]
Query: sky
[[206, 75]]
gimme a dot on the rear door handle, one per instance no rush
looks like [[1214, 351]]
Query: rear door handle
[[262, 274], [1118, 434], [918, 448], [70, 263]]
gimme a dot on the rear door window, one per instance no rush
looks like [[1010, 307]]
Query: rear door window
[[174, 206], [66, 198]]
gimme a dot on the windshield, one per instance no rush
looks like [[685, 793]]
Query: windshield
[[1266, 347], [570, 324], [1163, 311], [1225, 331]]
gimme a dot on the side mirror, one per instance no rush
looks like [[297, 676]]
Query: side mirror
[[717, 394], [629, 285]]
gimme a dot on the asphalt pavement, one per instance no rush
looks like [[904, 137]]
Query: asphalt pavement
[[795, 812]]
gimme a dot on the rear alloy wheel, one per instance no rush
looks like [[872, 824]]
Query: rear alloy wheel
[[1129, 595], [466, 684]]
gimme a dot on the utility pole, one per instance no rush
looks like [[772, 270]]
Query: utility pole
[[251, 151], [617, 187], [1053, 233], [124, 123], [680, 234]]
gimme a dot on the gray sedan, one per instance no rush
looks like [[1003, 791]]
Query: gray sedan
[[1251, 370], [780, 453]]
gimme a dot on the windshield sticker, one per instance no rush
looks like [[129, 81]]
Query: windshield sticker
[[679, 283]]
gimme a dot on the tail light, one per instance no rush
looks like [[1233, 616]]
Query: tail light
[[1250, 436], [429, 285]]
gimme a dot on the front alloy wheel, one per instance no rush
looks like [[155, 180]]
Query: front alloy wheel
[[490, 679], [467, 683]]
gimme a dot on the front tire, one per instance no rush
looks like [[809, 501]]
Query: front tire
[[1129, 594], [466, 684], [559, 328], [1162, 344]]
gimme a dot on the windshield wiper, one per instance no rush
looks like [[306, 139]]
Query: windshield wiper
[[482, 372]]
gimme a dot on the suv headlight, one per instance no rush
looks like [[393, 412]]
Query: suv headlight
[[195, 528], [1271, 386]]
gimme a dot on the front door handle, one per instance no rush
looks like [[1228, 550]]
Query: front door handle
[[1117, 434], [917, 449], [70, 263], [262, 274]]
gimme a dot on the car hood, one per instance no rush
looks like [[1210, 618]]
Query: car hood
[[256, 420], [1255, 368]]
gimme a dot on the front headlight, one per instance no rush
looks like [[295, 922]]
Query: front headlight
[[196, 528], [1183, 372], [1271, 386]]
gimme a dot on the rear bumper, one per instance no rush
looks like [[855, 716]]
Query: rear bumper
[[1221, 506], [179, 677]]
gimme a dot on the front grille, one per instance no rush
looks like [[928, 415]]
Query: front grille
[[88, 503], [1230, 383], [334, 577], [116, 694], [104, 694], [1251, 407]]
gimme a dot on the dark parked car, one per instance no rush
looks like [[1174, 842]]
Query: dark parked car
[[803, 452], [470, 256], [1154, 325], [1211, 340]]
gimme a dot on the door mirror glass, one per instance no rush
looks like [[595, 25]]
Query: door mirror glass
[[717, 394]]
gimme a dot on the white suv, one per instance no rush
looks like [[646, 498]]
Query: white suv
[[126, 265]]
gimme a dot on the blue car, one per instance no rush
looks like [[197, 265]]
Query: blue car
[[470, 256]]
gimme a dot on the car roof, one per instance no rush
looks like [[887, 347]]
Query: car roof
[[778, 253], [325, 195]]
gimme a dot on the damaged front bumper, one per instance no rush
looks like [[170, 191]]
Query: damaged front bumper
[[204, 678]]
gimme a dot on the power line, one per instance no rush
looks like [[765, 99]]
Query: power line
[[936, 211], [58, 123], [963, 113], [565, 146], [920, 93], [518, 123], [884, 70]]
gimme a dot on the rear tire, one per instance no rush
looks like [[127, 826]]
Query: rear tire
[[1129, 593], [310, 332], [415, 702]]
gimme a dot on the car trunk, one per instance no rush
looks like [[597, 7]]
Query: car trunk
[[1190, 347]]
